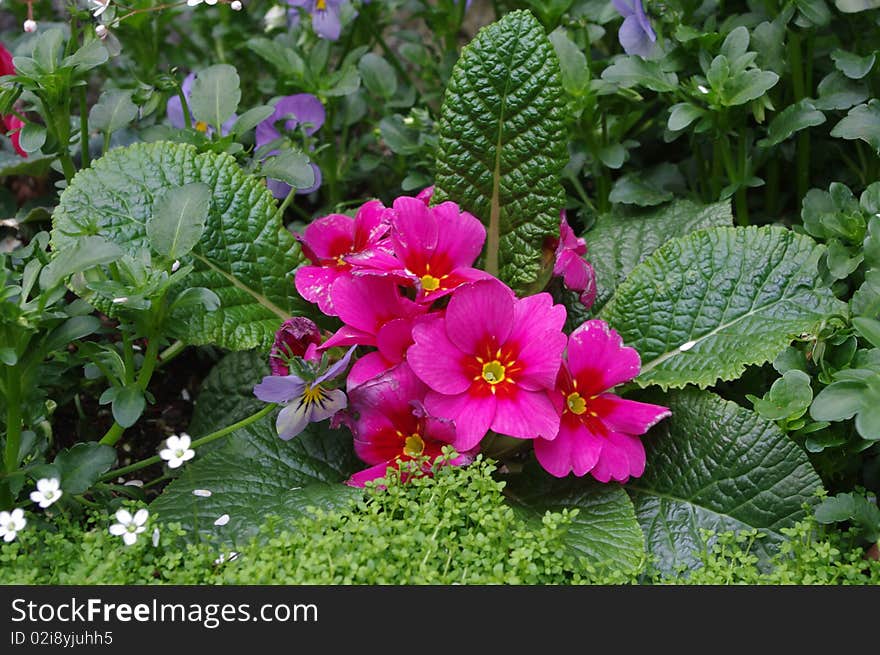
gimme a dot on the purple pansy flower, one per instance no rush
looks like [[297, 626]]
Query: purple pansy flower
[[636, 34], [325, 16], [299, 109], [305, 401], [174, 111]]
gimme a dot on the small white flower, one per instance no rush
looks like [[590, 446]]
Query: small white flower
[[223, 520], [177, 450], [30, 25], [175, 266], [155, 537], [235, 5], [48, 491], [129, 527], [202, 493], [101, 31], [184, 394], [120, 300], [99, 7], [11, 523]]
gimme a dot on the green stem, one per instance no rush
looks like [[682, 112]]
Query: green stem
[[802, 161], [13, 418], [285, 203], [187, 119], [198, 443], [171, 352], [84, 128], [740, 200]]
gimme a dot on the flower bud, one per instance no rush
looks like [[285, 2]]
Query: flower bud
[[235, 5], [292, 340], [30, 25], [101, 31]]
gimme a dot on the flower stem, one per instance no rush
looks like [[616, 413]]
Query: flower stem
[[137, 466], [285, 203], [84, 128]]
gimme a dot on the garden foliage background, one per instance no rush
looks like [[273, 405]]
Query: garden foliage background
[[721, 162]]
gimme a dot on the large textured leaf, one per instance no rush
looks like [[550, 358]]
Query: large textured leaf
[[502, 143], [705, 306], [244, 255], [618, 243], [227, 394], [605, 531], [255, 474], [717, 466]]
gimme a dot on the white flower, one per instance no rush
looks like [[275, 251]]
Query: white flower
[[129, 527], [177, 450], [223, 520], [175, 266], [156, 536], [30, 25], [48, 491], [99, 7], [101, 31], [235, 5], [11, 523]]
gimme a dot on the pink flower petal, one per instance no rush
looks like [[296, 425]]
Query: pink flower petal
[[367, 303], [328, 237], [450, 283], [526, 415], [394, 338], [613, 463], [314, 282], [472, 416], [574, 449], [435, 359], [627, 416], [478, 314], [597, 358], [349, 336], [462, 235], [370, 224], [360, 478], [574, 269], [537, 333], [366, 368], [415, 229]]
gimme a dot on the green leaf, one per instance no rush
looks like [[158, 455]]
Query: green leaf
[[77, 256], [47, 49], [251, 118], [618, 243], [747, 85], [869, 329], [717, 466], [793, 118], [215, 94], [178, 219], [572, 63], [789, 397], [851, 507], [855, 6], [113, 111], [705, 306], [227, 393], [502, 143], [31, 137], [683, 114], [377, 75], [245, 255], [255, 474], [291, 167], [128, 405], [836, 91], [73, 328], [90, 56], [36, 165], [196, 296], [605, 531], [630, 71], [83, 464], [862, 122], [838, 401], [851, 65], [815, 11]]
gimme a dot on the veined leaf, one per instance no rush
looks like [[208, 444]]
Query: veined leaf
[[255, 474], [502, 143], [705, 306], [245, 255], [717, 466], [227, 393]]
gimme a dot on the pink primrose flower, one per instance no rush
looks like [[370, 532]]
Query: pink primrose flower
[[490, 361], [598, 431], [328, 241], [576, 272], [392, 425]]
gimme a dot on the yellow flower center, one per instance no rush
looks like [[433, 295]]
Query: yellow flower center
[[493, 372], [413, 446], [321, 5], [312, 395], [201, 126], [576, 403], [430, 283]]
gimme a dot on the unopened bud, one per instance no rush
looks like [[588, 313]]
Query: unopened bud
[[101, 31], [30, 25], [236, 5]]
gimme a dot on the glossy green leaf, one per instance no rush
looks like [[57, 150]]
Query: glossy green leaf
[[215, 94], [113, 111], [717, 466], [862, 122], [245, 255], [793, 118], [501, 144], [703, 307], [255, 474], [83, 464]]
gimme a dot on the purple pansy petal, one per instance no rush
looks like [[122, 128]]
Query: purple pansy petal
[[337, 368], [336, 402], [279, 389], [326, 22], [292, 420]]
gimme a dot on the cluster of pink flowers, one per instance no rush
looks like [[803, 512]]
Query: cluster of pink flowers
[[449, 353]]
